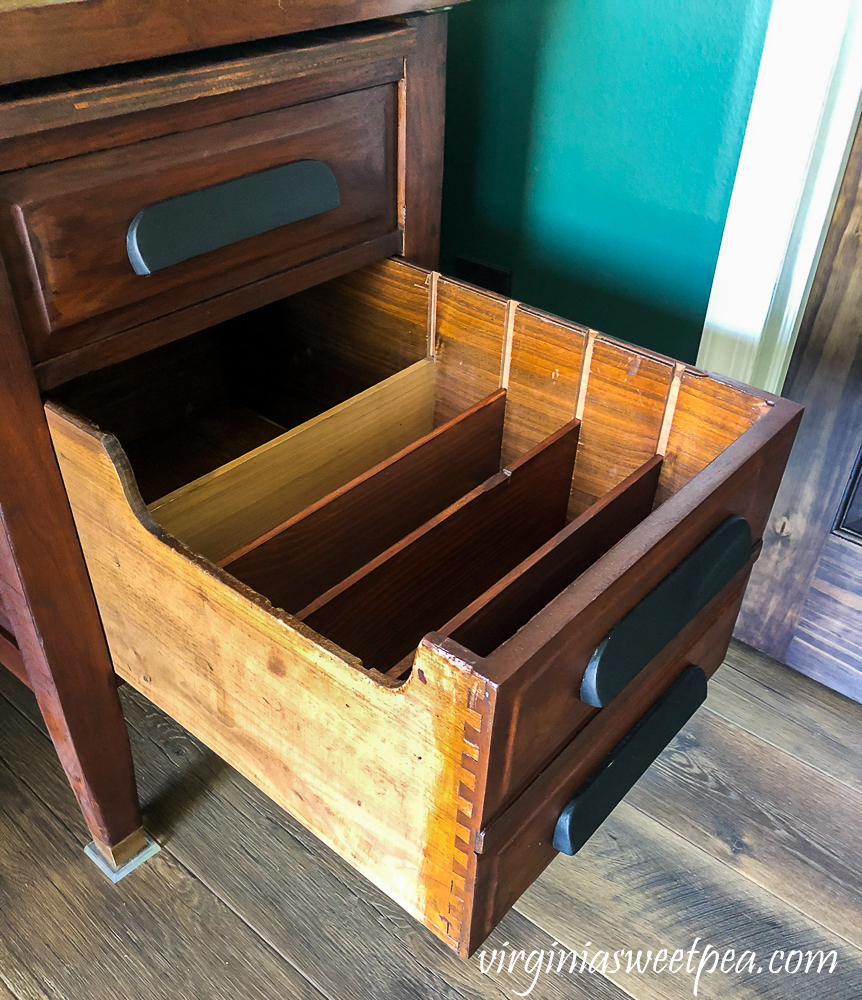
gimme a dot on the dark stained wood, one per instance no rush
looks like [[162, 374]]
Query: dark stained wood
[[47, 38], [155, 391], [10, 654], [827, 644], [826, 377], [67, 248], [5, 623], [366, 325], [764, 814], [516, 846], [78, 138], [98, 940], [196, 448], [514, 600], [46, 593], [192, 319], [424, 110], [44, 108], [298, 561], [790, 712], [538, 671], [740, 481], [383, 610]]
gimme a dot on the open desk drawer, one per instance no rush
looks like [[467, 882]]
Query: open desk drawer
[[421, 563]]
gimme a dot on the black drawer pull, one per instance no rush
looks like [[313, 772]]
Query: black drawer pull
[[665, 611], [618, 772], [195, 223]]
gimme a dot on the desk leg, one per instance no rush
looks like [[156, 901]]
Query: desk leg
[[47, 594], [423, 112]]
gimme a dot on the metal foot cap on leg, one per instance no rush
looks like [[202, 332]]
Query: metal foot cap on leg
[[116, 862]]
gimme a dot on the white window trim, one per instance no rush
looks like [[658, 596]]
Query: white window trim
[[803, 117]]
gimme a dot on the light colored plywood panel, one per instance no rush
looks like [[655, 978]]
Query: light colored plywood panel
[[708, 417], [374, 768], [220, 512], [468, 346], [623, 410], [544, 377]]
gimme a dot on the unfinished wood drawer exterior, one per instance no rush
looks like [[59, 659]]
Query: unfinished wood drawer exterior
[[515, 486]]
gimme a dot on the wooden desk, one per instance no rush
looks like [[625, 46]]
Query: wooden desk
[[69, 138]]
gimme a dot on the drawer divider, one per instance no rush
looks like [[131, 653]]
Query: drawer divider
[[497, 614], [222, 511], [307, 555], [382, 611]]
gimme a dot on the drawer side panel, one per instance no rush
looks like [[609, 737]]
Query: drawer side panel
[[384, 773]]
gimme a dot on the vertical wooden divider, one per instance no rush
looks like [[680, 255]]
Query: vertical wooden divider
[[495, 616], [381, 612], [323, 544]]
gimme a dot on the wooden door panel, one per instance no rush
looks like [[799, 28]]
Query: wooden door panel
[[804, 602]]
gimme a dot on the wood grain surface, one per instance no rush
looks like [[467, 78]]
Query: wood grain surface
[[51, 38], [403, 779], [67, 248], [235, 504], [380, 612], [293, 908], [254, 683], [47, 597], [790, 712], [517, 597], [801, 608], [298, 561]]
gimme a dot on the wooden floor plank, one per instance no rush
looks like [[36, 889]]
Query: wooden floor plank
[[69, 933], [789, 710], [333, 925], [789, 828], [636, 885], [741, 844]]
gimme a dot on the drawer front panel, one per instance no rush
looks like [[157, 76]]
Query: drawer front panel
[[628, 761], [67, 224], [519, 844]]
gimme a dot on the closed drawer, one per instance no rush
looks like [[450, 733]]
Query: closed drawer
[[106, 241], [384, 546]]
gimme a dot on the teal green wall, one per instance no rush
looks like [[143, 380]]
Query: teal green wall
[[591, 149]]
